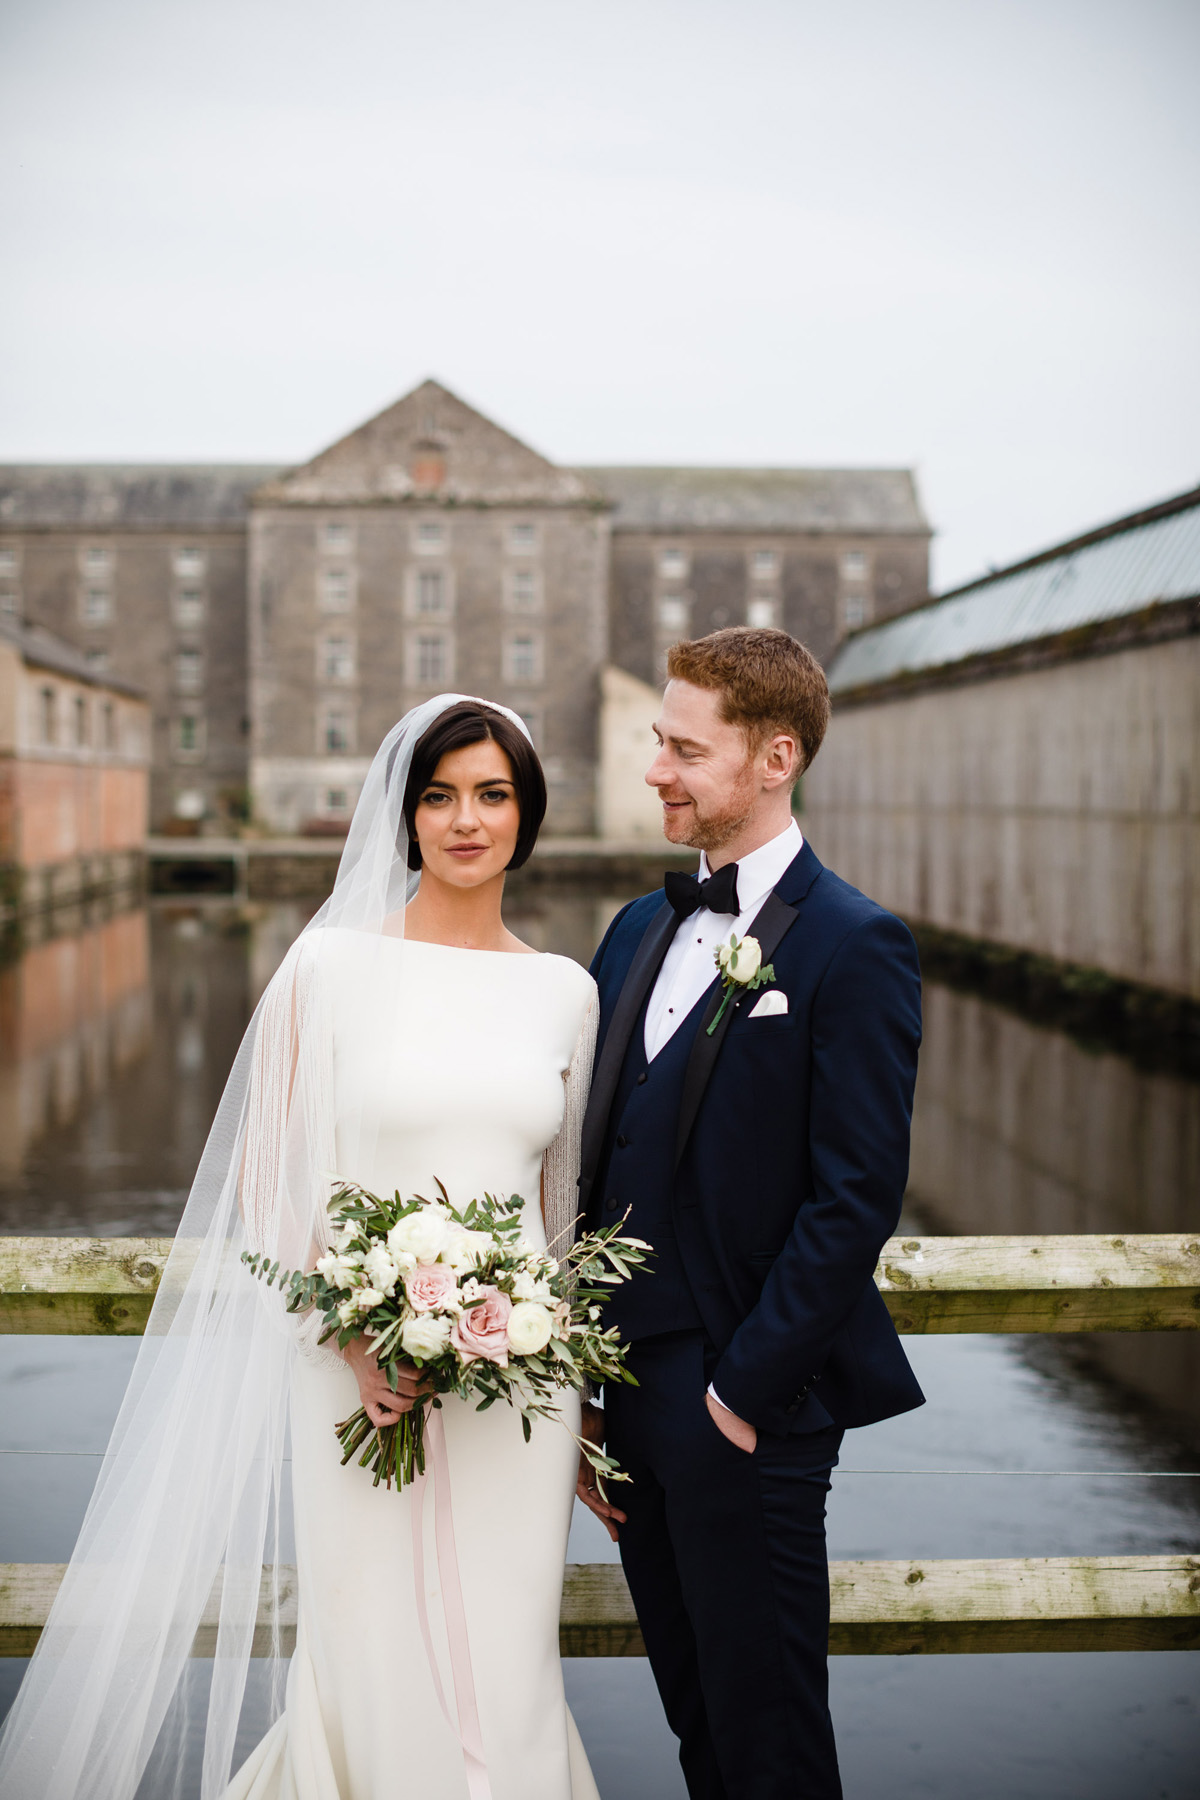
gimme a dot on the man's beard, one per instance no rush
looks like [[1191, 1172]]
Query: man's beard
[[713, 830]]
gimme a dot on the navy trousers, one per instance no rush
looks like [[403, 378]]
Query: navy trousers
[[724, 1553]]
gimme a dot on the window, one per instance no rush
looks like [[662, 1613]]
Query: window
[[764, 565], [672, 564], [523, 595], [110, 725], [432, 661], [761, 614], [81, 730], [335, 537], [430, 537], [97, 605], [97, 661], [8, 564], [673, 612], [522, 539], [189, 607], [189, 563], [337, 733], [189, 670], [533, 723], [9, 602], [190, 733], [854, 565], [523, 657], [47, 711], [431, 593], [855, 611], [335, 591], [337, 659], [337, 800], [97, 560]]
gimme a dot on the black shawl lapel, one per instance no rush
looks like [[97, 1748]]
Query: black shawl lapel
[[774, 919], [643, 971]]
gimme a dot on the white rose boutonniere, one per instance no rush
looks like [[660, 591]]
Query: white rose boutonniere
[[741, 965]]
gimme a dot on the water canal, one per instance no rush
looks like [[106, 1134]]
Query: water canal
[[117, 1035]]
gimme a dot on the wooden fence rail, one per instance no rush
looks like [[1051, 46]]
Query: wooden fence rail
[[93, 1286], [88, 1286], [878, 1608]]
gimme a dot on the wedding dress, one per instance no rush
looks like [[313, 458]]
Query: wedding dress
[[484, 1087]]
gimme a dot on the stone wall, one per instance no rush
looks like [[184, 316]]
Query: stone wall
[[1056, 810]]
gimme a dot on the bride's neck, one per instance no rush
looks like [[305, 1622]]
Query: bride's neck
[[463, 918]]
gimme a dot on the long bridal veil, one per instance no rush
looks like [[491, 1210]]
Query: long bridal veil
[[182, 1546]]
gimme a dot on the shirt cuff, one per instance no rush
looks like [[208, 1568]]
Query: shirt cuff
[[713, 1394]]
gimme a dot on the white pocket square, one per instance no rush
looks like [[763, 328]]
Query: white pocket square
[[770, 1006]]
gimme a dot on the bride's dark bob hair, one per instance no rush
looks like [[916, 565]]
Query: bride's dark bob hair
[[471, 723]]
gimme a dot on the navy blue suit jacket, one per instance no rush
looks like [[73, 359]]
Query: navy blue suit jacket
[[791, 1147]]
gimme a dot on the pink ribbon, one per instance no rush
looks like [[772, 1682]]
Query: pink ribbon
[[466, 1728]]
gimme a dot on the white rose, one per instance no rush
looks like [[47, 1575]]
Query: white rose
[[526, 1287], [530, 1328], [466, 1249], [380, 1269], [366, 1298], [425, 1336], [347, 1312], [424, 1233], [340, 1271], [742, 963]]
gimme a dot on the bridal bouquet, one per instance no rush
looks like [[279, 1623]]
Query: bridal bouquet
[[471, 1302]]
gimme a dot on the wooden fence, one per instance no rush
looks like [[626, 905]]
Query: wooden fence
[[91, 1286]]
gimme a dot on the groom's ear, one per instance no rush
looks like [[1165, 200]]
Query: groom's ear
[[781, 760]]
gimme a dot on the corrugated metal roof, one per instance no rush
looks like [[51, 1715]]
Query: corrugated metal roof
[[1107, 575], [766, 500]]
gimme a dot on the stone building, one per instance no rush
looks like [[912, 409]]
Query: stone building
[[281, 620], [1018, 762]]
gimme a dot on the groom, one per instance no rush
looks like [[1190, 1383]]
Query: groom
[[763, 1151]]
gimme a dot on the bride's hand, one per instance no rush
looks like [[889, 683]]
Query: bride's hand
[[382, 1405]]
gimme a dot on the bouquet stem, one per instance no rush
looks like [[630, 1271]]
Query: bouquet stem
[[394, 1452]]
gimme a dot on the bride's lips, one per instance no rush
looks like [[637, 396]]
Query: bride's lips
[[466, 851]]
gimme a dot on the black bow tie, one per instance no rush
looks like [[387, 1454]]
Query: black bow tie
[[687, 893]]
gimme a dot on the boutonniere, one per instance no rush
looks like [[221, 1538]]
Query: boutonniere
[[740, 963]]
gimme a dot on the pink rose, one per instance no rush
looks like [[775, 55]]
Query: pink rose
[[483, 1332], [430, 1286]]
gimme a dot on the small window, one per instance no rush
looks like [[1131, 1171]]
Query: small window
[[764, 565], [337, 657], [672, 564], [337, 800], [854, 565], [335, 537], [189, 607], [190, 737], [9, 602], [523, 595], [47, 711], [430, 537], [97, 661], [189, 670], [336, 594], [110, 725], [81, 730], [97, 605], [8, 565], [855, 611], [673, 612], [337, 734], [432, 660], [522, 539], [761, 614], [97, 560], [524, 657], [431, 593], [189, 563], [533, 724]]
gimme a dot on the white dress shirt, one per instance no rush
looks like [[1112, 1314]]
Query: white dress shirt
[[689, 968]]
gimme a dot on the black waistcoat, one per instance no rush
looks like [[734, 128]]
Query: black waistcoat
[[637, 1170]]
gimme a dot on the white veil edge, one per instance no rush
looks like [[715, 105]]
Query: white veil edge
[[187, 1510]]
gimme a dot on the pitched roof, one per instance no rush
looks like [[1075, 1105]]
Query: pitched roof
[[43, 650], [1145, 560], [429, 446], [128, 496], [762, 500]]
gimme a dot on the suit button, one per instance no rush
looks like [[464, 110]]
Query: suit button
[[621, 1142], [641, 1078], [612, 1204]]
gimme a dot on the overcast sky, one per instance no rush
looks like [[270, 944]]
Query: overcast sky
[[954, 234]]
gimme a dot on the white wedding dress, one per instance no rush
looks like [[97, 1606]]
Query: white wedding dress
[[483, 1089]]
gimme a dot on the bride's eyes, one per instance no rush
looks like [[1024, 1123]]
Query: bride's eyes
[[497, 796]]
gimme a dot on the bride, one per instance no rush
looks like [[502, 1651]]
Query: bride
[[406, 1039]]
